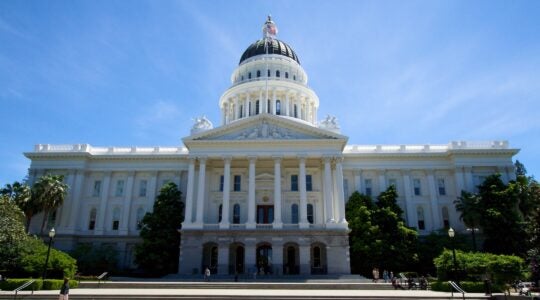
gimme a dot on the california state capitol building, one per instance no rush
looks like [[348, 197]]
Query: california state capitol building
[[266, 189]]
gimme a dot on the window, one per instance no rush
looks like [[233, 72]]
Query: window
[[265, 214], [310, 213], [277, 73], [368, 186], [442, 188], [294, 214], [309, 183], [316, 257], [119, 192], [295, 111], [97, 188], [242, 77], [116, 218], [294, 183], [286, 74], [249, 109], [420, 215], [249, 75], [268, 73], [392, 182], [268, 105], [220, 213], [237, 183], [258, 73], [140, 216], [257, 107], [142, 188], [92, 219], [236, 214], [416, 185], [294, 77], [278, 107], [241, 111], [221, 180], [446, 217]]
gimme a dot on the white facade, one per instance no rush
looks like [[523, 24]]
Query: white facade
[[267, 189]]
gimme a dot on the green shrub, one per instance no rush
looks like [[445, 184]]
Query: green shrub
[[467, 286], [48, 284], [31, 261]]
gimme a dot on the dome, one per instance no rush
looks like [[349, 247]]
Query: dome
[[275, 46]]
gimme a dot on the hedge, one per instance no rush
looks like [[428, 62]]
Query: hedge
[[467, 286], [48, 284]]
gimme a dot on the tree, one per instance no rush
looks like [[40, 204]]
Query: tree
[[12, 233], [48, 194], [379, 237], [21, 195], [158, 253], [469, 207]]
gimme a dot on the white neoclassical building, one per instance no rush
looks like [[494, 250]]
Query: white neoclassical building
[[267, 189]]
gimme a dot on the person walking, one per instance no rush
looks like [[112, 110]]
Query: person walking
[[207, 274], [64, 290], [385, 276]]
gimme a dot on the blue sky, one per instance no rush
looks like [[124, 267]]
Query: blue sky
[[125, 73]]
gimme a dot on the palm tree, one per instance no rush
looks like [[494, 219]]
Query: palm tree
[[21, 195], [49, 193], [469, 206]]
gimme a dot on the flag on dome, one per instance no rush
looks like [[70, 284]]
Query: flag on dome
[[269, 29]]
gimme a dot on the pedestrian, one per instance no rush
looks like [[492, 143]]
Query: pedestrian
[[207, 274], [385, 276], [487, 284], [374, 273], [64, 290]]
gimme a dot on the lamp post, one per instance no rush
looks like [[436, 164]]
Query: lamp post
[[51, 236], [451, 234]]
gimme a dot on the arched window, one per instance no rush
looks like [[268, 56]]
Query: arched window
[[316, 257], [92, 219], [249, 75], [296, 111], [140, 216], [258, 73], [268, 73], [294, 77], [249, 108], [116, 218], [446, 217], [294, 214], [257, 107], [286, 74], [310, 213], [278, 107], [220, 212], [421, 220], [277, 73], [236, 214], [241, 111]]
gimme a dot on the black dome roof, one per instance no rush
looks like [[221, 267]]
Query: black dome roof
[[274, 47]]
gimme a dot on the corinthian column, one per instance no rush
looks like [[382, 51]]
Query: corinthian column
[[303, 193], [251, 194], [226, 194], [200, 192], [277, 193]]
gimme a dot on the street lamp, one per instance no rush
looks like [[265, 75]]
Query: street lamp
[[451, 234], [52, 233]]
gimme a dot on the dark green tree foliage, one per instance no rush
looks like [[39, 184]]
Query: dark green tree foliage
[[32, 257], [501, 221], [158, 253], [470, 212], [379, 237], [21, 195], [95, 260], [12, 233]]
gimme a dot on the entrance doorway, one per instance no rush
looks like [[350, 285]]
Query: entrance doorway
[[265, 214], [210, 257], [264, 259], [291, 259]]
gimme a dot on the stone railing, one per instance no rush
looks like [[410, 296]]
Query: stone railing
[[426, 148], [47, 148]]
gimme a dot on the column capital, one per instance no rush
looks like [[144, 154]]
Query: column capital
[[202, 159], [302, 157], [227, 158], [430, 172], [252, 159], [406, 172], [277, 158], [192, 158]]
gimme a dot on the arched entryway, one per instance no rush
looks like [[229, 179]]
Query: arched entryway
[[210, 257], [291, 259], [236, 259], [264, 259], [318, 259]]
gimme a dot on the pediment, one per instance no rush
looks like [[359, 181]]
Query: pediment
[[265, 128]]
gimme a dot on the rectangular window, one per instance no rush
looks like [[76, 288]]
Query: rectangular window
[[416, 185], [294, 183], [442, 188], [115, 224], [142, 188], [221, 180], [119, 188], [421, 225], [367, 184], [237, 183], [97, 188], [309, 183]]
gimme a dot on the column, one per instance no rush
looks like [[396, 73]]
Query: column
[[436, 215], [223, 258], [340, 193], [199, 221], [460, 184], [188, 218], [67, 206], [411, 219], [305, 259], [226, 194], [124, 223], [236, 108], [328, 188], [152, 190], [469, 182], [303, 193], [251, 194], [250, 263], [287, 104], [382, 181], [278, 224], [246, 106], [103, 204], [277, 255], [77, 195], [223, 117], [358, 181], [261, 103], [274, 92]]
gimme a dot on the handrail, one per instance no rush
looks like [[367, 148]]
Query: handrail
[[26, 284], [457, 288], [100, 277]]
